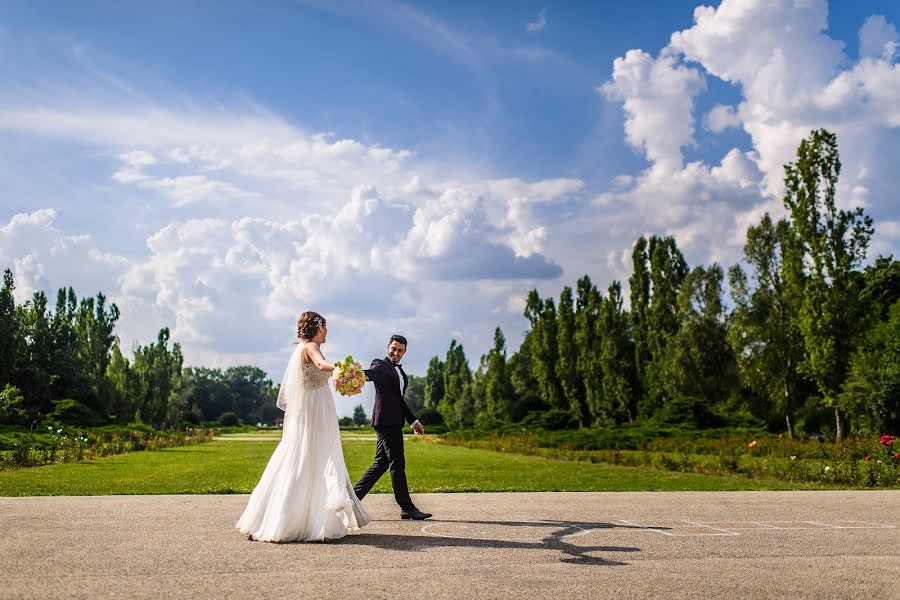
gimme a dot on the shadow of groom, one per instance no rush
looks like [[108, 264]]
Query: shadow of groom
[[557, 540]]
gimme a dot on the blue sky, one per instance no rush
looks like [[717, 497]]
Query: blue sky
[[218, 167]]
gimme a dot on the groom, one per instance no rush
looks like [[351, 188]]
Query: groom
[[387, 419]]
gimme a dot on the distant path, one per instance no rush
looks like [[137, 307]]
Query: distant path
[[522, 545]]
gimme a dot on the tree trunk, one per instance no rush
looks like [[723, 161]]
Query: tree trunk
[[838, 424], [788, 415], [789, 419]]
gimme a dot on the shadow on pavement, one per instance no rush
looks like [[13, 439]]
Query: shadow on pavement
[[573, 554]]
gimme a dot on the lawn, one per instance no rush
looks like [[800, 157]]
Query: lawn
[[228, 467]]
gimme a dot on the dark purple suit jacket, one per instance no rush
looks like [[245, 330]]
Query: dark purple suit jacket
[[390, 407]]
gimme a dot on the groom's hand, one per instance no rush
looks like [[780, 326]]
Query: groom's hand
[[418, 429]]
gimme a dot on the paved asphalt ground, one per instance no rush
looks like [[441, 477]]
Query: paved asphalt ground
[[740, 545]]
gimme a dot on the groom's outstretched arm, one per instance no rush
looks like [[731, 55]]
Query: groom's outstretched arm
[[374, 372]]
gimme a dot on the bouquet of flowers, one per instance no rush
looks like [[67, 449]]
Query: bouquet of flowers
[[348, 376]]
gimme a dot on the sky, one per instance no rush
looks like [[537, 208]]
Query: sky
[[218, 167]]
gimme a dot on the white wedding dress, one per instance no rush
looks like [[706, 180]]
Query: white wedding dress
[[305, 492]]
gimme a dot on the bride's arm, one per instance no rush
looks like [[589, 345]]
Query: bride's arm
[[316, 357]]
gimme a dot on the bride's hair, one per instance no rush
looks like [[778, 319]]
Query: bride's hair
[[308, 325]]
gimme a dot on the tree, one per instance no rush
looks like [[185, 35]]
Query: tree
[[159, 373], [588, 342], [615, 361], [36, 370], [764, 331], [498, 392], [359, 415], [872, 387], [251, 392], [206, 393], [656, 322], [640, 306], [525, 388], [10, 333], [415, 393], [544, 348], [833, 242], [124, 384], [700, 360], [94, 326], [12, 403], [434, 383], [70, 379], [567, 374], [454, 406]]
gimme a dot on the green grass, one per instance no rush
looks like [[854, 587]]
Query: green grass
[[225, 467]]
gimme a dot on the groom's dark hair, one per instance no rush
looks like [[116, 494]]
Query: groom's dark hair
[[397, 338]]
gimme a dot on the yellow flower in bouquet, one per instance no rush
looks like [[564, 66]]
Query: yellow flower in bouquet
[[348, 377]]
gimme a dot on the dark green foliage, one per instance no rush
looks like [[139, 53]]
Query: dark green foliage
[[434, 383], [244, 390], [543, 348], [498, 390], [11, 342], [553, 419], [457, 406], [571, 383], [229, 419], [359, 415], [617, 400], [73, 412], [430, 416], [415, 393]]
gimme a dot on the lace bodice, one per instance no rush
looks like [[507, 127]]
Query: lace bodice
[[314, 377]]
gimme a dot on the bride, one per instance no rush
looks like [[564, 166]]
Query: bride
[[305, 492]]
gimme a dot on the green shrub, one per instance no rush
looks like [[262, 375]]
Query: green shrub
[[229, 419], [430, 416], [11, 403], [554, 419], [72, 412]]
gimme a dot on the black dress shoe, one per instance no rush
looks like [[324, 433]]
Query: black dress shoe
[[414, 514]]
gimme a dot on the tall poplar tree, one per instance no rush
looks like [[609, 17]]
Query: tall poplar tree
[[616, 361], [834, 243], [10, 331], [498, 393], [764, 329], [571, 384], [588, 341]]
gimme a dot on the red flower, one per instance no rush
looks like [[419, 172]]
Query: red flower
[[895, 456], [868, 458], [886, 440]]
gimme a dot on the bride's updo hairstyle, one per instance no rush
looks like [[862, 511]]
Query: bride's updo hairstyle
[[308, 325]]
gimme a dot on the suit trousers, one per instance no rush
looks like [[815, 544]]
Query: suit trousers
[[388, 455]]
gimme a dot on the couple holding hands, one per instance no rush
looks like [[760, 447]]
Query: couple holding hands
[[305, 493]]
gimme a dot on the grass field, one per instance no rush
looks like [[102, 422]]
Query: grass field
[[233, 466]]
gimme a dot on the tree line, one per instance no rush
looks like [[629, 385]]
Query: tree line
[[809, 333], [65, 365]]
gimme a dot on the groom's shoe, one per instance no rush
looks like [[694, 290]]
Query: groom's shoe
[[414, 514]]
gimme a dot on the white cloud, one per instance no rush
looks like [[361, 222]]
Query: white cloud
[[720, 118], [539, 23], [878, 38], [658, 98], [44, 258]]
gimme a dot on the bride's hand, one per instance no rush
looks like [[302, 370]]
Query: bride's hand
[[317, 358]]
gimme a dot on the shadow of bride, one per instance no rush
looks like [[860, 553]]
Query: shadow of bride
[[557, 540]]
